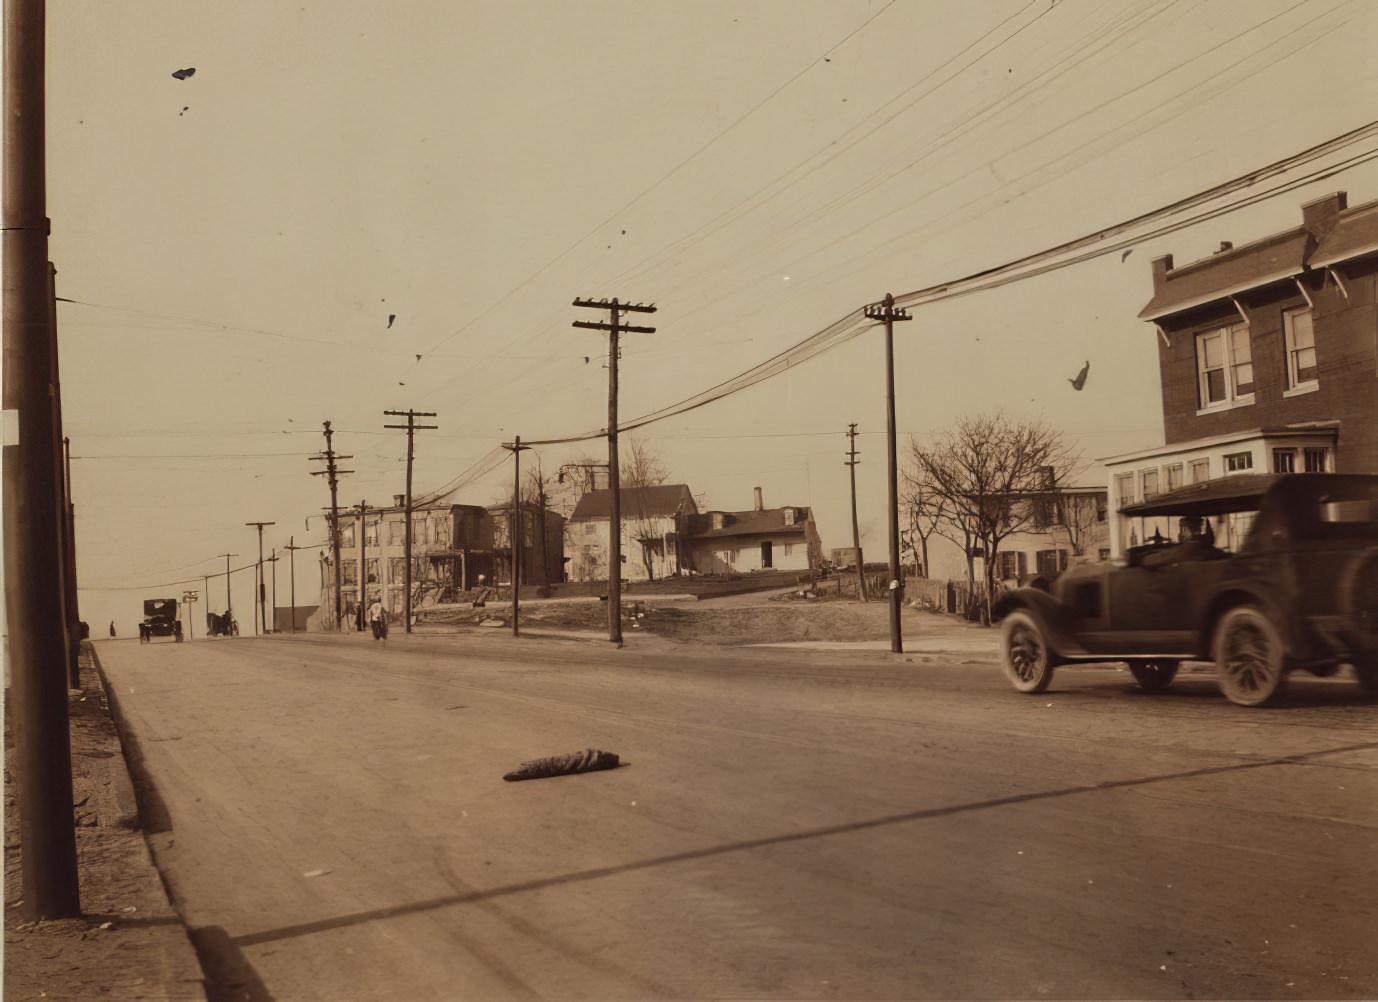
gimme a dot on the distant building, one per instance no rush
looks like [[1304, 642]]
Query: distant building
[[651, 537], [1268, 360], [739, 542], [1066, 526], [453, 545]]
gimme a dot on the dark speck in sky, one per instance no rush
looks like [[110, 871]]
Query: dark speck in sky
[[183, 74], [391, 318]]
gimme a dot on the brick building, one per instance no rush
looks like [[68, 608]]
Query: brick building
[[1268, 359]]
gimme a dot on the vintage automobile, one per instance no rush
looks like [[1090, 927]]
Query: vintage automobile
[[1299, 591], [160, 619]]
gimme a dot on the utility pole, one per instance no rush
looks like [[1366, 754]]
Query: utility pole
[[332, 474], [229, 602], [292, 549], [856, 532], [274, 561], [514, 528], [38, 655], [412, 428], [886, 312], [361, 510], [262, 591], [614, 327]]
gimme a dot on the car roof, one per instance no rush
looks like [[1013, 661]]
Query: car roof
[[1245, 492]]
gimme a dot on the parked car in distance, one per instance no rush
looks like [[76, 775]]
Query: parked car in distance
[[1300, 591]]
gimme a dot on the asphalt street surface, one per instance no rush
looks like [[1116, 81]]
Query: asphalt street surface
[[330, 816]]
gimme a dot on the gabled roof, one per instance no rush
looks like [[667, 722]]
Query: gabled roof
[[660, 501], [767, 522]]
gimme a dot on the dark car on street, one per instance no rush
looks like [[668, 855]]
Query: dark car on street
[[1300, 591], [160, 619]]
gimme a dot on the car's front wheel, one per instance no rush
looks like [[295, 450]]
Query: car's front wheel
[[1250, 657], [1153, 676], [1025, 656]]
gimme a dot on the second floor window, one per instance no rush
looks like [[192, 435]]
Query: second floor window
[[1284, 460], [1224, 367], [1237, 462], [1317, 459], [1300, 337], [1124, 489], [1149, 481], [1174, 476], [1200, 470]]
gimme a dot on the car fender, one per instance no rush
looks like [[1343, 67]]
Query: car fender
[[1254, 593], [1055, 617]]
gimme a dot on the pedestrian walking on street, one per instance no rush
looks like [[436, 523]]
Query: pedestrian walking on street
[[112, 627], [378, 619]]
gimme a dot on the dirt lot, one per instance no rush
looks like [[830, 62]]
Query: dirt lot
[[732, 621]]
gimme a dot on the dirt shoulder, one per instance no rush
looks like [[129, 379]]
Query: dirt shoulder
[[128, 942]]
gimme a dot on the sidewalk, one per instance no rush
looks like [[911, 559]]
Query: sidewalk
[[129, 942]]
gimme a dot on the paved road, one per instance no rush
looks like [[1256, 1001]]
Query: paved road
[[788, 825]]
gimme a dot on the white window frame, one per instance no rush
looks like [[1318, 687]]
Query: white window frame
[[1144, 480], [1292, 328], [1310, 453], [1199, 464], [1284, 460], [1235, 356], [1174, 476], [1238, 462], [1124, 490]]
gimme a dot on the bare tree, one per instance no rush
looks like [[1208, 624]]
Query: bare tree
[[642, 468], [925, 510], [984, 469]]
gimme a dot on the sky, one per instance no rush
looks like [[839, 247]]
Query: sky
[[352, 207]]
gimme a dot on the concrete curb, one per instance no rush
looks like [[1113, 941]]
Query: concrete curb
[[174, 961]]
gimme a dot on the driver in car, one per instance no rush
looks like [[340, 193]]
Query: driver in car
[[1192, 545]]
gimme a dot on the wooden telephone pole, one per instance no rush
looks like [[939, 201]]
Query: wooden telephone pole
[[514, 528], [412, 428], [888, 313], [614, 327], [292, 549], [332, 474], [32, 493], [856, 531]]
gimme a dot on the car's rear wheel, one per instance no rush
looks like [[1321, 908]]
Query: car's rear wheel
[[1153, 676], [1250, 657], [1025, 656]]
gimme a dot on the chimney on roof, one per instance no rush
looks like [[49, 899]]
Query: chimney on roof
[[760, 505], [399, 500], [1161, 266], [1319, 217]]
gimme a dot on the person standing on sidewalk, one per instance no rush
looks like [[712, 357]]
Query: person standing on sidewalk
[[377, 619]]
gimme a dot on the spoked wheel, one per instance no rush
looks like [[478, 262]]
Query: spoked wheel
[[1153, 676], [1025, 656], [1250, 658]]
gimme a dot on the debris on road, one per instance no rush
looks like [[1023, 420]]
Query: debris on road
[[588, 760]]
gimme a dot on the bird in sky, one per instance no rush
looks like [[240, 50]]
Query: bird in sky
[[1080, 381], [183, 74]]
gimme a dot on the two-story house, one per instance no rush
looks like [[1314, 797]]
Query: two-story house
[[1268, 359], [651, 532]]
